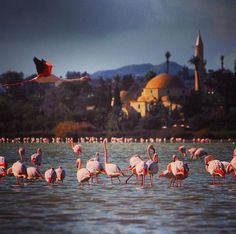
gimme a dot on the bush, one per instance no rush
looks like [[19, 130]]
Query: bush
[[65, 128]]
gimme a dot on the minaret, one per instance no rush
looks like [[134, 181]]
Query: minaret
[[200, 71]]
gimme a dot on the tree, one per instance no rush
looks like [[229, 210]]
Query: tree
[[150, 74], [167, 55], [194, 60], [127, 82]]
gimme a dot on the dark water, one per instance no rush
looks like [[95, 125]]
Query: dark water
[[36, 207]]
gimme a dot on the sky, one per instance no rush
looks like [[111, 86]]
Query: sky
[[94, 35]]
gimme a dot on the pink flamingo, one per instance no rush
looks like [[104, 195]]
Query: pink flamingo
[[50, 175], [141, 169], [95, 166], [214, 167], [61, 174], [36, 158], [83, 175], [33, 173], [152, 163], [19, 170], [111, 169], [176, 171], [182, 149], [3, 167], [133, 161]]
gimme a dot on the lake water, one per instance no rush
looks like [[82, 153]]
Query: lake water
[[197, 206]]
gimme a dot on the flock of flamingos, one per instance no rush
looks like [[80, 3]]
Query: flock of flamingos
[[176, 170]]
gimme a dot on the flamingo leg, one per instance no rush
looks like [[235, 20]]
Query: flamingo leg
[[142, 180], [151, 180], [119, 179], [129, 178], [111, 180], [97, 178]]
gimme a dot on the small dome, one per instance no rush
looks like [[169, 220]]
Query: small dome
[[163, 81]]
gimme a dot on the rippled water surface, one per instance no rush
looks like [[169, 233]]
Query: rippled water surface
[[198, 206]]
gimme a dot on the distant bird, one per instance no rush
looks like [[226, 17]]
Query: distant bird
[[50, 175], [83, 174], [61, 173], [36, 158], [111, 169], [95, 167], [33, 173], [214, 167]]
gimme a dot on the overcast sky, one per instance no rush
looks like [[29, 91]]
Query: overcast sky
[[92, 35]]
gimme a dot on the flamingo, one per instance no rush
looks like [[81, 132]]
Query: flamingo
[[141, 169], [152, 163], [83, 174], [50, 175], [3, 172], [197, 153], [61, 173], [19, 170], [182, 149], [133, 161], [3, 166], [176, 170], [232, 165], [33, 173], [168, 174], [214, 167], [36, 158], [77, 149], [95, 166], [112, 170]]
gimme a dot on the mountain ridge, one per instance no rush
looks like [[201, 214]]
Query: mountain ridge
[[139, 70]]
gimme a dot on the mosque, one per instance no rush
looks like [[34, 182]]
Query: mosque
[[166, 88]]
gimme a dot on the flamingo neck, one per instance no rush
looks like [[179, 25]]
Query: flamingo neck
[[105, 153]]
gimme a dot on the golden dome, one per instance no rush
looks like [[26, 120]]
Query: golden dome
[[164, 81]]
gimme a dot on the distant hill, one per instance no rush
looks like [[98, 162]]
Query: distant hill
[[139, 70]]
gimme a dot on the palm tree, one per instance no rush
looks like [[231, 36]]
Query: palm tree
[[196, 62], [222, 61], [167, 55]]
